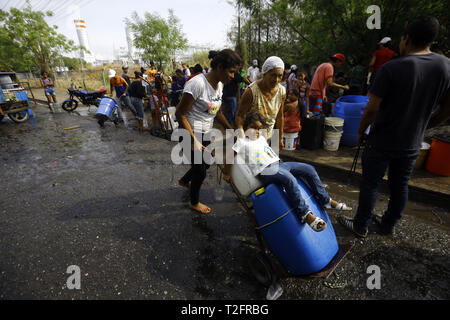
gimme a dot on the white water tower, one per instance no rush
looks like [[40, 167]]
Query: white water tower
[[80, 26]]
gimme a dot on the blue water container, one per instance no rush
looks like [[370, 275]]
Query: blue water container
[[22, 95], [300, 249], [351, 109], [2, 96], [106, 107]]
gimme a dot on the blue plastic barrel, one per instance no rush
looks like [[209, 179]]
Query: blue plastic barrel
[[351, 109], [300, 249], [106, 106], [22, 95]]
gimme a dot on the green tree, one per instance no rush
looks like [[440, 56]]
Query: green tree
[[157, 38], [28, 42], [200, 58], [309, 31]]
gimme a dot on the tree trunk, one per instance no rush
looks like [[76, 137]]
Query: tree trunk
[[239, 49], [259, 30]]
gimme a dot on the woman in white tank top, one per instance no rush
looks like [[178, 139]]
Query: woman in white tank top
[[266, 96]]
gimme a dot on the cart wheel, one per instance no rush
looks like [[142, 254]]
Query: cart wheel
[[19, 116], [261, 269], [70, 105]]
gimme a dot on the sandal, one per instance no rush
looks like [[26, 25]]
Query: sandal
[[340, 206], [315, 224]]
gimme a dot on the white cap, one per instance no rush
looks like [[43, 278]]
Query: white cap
[[385, 40], [112, 73], [293, 67], [255, 62]]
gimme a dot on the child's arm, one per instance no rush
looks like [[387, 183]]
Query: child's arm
[[291, 106]]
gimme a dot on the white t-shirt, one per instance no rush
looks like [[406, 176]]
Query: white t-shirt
[[253, 73], [187, 72], [257, 154], [206, 105]]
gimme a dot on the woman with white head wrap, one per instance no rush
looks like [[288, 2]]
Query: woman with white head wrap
[[266, 96]]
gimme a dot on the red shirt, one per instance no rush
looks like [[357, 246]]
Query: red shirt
[[319, 83], [381, 57], [292, 122]]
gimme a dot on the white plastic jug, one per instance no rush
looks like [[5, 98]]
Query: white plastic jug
[[243, 179]]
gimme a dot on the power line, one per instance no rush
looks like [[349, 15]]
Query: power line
[[6, 4], [66, 15]]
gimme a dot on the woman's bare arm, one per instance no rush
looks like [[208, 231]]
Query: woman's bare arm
[[244, 107], [183, 108]]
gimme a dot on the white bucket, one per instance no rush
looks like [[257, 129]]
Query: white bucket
[[334, 124], [290, 140], [331, 140]]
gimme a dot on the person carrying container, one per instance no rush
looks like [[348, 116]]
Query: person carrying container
[[323, 77], [266, 96], [267, 166], [121, 88], [200, 104]]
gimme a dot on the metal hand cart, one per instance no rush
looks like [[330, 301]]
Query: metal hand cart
[[14, 100], [161, 113], [266, 267]]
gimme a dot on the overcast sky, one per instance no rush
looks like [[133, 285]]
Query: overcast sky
[[204, 22]]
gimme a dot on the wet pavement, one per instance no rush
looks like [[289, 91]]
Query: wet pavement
[[107, 200]]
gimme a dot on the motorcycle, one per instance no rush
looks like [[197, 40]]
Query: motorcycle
[[87, 98]]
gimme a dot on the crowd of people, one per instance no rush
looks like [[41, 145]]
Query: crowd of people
[[415, 85], [408, 92]]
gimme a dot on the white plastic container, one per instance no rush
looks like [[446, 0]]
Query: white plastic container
[[243, 179], [290, 140]]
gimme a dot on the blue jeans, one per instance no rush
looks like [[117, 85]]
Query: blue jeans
[[374, 165], [231, 103], [286, 177], [125, 101], [139, 107]]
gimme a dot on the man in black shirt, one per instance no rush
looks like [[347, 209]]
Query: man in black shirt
[[229, 97], [405, 93], [137, 93]]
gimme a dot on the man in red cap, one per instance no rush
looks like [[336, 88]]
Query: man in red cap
[[380, 57], [323, 77]]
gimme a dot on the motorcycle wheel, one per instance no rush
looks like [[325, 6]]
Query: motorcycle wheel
[[19, 116], [70, 105]]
